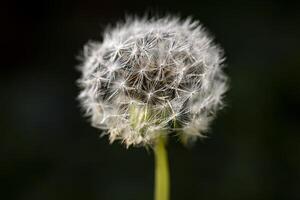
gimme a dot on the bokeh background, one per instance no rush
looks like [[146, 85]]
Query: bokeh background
[[48, 151]]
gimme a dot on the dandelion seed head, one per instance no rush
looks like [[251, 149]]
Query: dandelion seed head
[[150, 77]]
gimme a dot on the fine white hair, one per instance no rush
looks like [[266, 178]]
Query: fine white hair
[[152, 76]]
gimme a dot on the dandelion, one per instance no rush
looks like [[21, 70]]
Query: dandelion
[[150, 78]]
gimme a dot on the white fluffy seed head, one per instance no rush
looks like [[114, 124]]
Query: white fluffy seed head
[[152, 77]]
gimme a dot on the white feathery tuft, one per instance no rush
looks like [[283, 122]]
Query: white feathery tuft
[[150, 77]]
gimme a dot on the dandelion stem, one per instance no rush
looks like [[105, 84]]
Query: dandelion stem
[[162, 185]]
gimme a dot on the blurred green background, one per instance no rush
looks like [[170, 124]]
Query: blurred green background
[[48, 151]]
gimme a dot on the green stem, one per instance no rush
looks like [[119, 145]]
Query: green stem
[[162, 185]]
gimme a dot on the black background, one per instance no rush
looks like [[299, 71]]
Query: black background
[[49, 151]]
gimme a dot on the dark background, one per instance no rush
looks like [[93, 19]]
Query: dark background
[[49, 151]]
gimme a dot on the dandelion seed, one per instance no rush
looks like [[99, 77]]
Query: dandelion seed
[[149, 75]]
